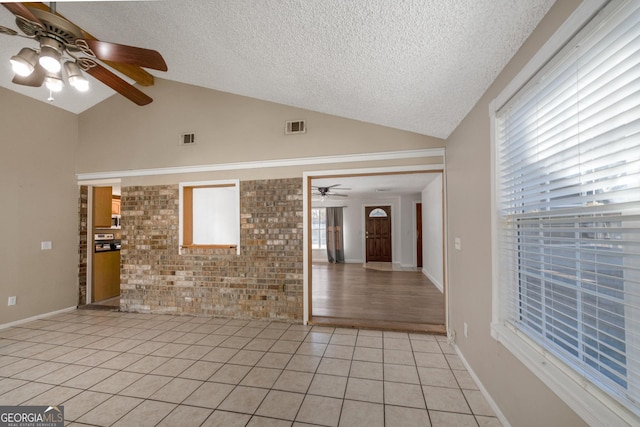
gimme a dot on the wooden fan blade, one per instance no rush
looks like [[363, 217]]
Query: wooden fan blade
[[119, 85], [106, 51], [133, 71], [136, 73], [34, 79], [19, 9]]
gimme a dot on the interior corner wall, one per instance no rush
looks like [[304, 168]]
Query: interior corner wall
[[408, 250], [432, 238], [521, 397], [39, 197]]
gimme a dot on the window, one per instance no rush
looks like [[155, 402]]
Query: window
[[210, 215], [378, 213], [568, 206], [318, 228]]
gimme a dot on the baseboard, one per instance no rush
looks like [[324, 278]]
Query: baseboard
[[36, 317], [353, 261], [433, 280], [483, 390]]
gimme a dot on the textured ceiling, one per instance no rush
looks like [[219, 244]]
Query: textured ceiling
[[417, 65]]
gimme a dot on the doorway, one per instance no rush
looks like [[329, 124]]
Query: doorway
[[100, 234], [381, 283]]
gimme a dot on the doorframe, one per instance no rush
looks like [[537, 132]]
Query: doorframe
[[90, 244], [308, 176], [415, 235]]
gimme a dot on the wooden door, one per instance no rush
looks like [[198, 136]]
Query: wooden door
[[378, 233], [419, 234]]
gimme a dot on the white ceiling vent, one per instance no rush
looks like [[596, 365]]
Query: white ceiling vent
[[187, 138], [295, 126]]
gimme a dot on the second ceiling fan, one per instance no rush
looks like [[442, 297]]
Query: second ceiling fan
[[66, 48], [327, 191]]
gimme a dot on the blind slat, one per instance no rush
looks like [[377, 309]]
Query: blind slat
[[568, 172]]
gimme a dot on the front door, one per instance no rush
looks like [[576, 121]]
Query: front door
[[378, 233]]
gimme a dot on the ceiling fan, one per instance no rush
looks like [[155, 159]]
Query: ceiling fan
[[65, 46], [325, 192]]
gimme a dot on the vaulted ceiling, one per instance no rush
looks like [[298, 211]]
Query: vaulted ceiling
[[416, 65]]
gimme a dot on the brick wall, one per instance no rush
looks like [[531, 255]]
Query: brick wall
[[82, 247], [264, 281]]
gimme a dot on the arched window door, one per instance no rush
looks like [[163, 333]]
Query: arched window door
[[378, 233]]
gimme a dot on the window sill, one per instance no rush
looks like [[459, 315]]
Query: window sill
[[209, 246], [593, 405], [209, 250]]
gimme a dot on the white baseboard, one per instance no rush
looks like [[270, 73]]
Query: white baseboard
[[483, 390], [353, 261], [36, 317], [433, 280]]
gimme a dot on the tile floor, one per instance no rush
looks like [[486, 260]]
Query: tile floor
[[125, 369]]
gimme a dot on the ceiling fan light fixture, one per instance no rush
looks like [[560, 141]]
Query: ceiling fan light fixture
[[24, 62], [75, 77], [54, 82], [50, 55]]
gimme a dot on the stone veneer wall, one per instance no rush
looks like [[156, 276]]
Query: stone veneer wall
[[83, 199], [263, 282]]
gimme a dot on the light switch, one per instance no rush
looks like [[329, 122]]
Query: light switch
[[45, 246], [457, 243]]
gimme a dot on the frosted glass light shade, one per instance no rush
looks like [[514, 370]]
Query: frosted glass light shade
[[50, 59], [24, 62]]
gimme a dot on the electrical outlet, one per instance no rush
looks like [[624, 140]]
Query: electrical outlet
[[457, 242], [466, 330], [45, 246], [11, 301]]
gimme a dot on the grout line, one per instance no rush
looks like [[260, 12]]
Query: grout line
[[244, 333]]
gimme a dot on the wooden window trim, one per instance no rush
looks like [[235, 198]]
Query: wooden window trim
[[192, 246]]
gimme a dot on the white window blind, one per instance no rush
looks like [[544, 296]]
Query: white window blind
[[568, 176], [215, 216]]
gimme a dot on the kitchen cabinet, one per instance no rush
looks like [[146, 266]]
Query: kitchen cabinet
[[102, 207], [106, 275], [115, 205]]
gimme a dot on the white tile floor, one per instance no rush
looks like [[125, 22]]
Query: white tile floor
[[125, 369]]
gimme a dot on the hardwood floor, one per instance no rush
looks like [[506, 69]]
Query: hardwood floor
[[350, 295]]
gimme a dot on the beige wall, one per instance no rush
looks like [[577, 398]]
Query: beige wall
[[39, 203], [523, 399], [118, 135]]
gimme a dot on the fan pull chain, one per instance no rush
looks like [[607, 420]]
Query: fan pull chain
[[50, 98]]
